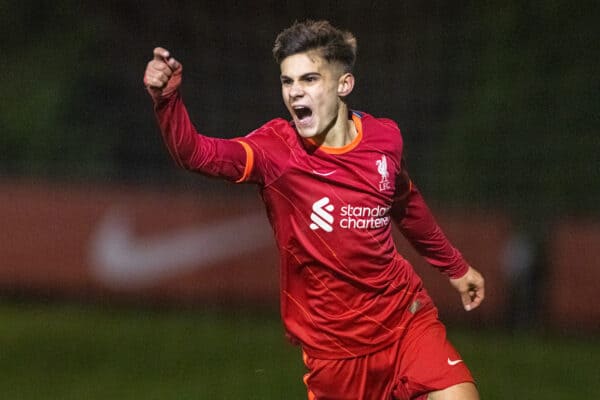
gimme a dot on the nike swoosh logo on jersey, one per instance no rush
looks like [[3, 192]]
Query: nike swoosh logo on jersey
[[120, 259], [323, 173], [453, 362]]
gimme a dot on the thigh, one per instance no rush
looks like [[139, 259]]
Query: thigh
[[427, 360], [462, 391]]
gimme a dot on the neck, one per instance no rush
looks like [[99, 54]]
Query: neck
[[341, 131]]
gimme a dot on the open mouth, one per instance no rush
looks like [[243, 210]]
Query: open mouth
[[303, 114]]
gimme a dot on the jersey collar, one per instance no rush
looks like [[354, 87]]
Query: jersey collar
[[357, 119]]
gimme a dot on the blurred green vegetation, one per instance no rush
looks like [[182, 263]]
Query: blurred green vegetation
[[498, 103], [524, 129], [61, 351]]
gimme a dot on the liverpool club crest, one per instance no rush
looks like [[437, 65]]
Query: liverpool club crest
[[382, 168]]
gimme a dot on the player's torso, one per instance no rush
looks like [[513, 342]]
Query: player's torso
[[334, 208], [345, 290]]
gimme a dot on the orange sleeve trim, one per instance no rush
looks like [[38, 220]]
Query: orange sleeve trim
[[249, 162]]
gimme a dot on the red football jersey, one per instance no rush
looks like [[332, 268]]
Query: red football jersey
[[345, 290]]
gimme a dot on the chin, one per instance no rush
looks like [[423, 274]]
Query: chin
[[307, 133]]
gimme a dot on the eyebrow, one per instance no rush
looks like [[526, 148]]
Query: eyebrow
[[303, 76]]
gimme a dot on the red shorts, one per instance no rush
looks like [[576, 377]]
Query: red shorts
[[420, 362]]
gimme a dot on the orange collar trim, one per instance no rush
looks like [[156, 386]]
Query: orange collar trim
[[350, 146]]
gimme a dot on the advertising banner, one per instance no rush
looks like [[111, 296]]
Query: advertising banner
[[191, 247]]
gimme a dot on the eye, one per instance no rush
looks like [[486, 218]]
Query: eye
[[286, 81]]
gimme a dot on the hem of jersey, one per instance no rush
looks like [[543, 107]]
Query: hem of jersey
[[365, 350]]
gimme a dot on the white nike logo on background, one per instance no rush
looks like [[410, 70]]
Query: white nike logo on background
[[453, 362], [120, 259]]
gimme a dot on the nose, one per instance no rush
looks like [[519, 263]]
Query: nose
[[296, 90]]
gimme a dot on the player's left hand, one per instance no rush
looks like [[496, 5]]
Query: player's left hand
[[471, 288]]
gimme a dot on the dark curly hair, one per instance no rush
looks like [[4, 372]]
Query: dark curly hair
[[333, 44]]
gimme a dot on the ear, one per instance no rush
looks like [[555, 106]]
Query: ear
[[345, 84]]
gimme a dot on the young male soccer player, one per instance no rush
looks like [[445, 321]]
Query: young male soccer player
[[333, 180]]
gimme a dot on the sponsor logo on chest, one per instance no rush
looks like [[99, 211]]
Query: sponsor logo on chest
[[325, 216]]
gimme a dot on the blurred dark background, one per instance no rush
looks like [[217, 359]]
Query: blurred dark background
[[498, 101]]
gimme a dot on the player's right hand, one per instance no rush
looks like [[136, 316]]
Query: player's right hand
[[163, 74]]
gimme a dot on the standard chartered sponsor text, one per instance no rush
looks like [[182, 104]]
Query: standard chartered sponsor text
[[356, 217]]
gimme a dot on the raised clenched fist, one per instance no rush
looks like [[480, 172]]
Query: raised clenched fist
[[163, 74]]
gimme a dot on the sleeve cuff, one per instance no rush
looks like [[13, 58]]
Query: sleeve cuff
[[457, 271]]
